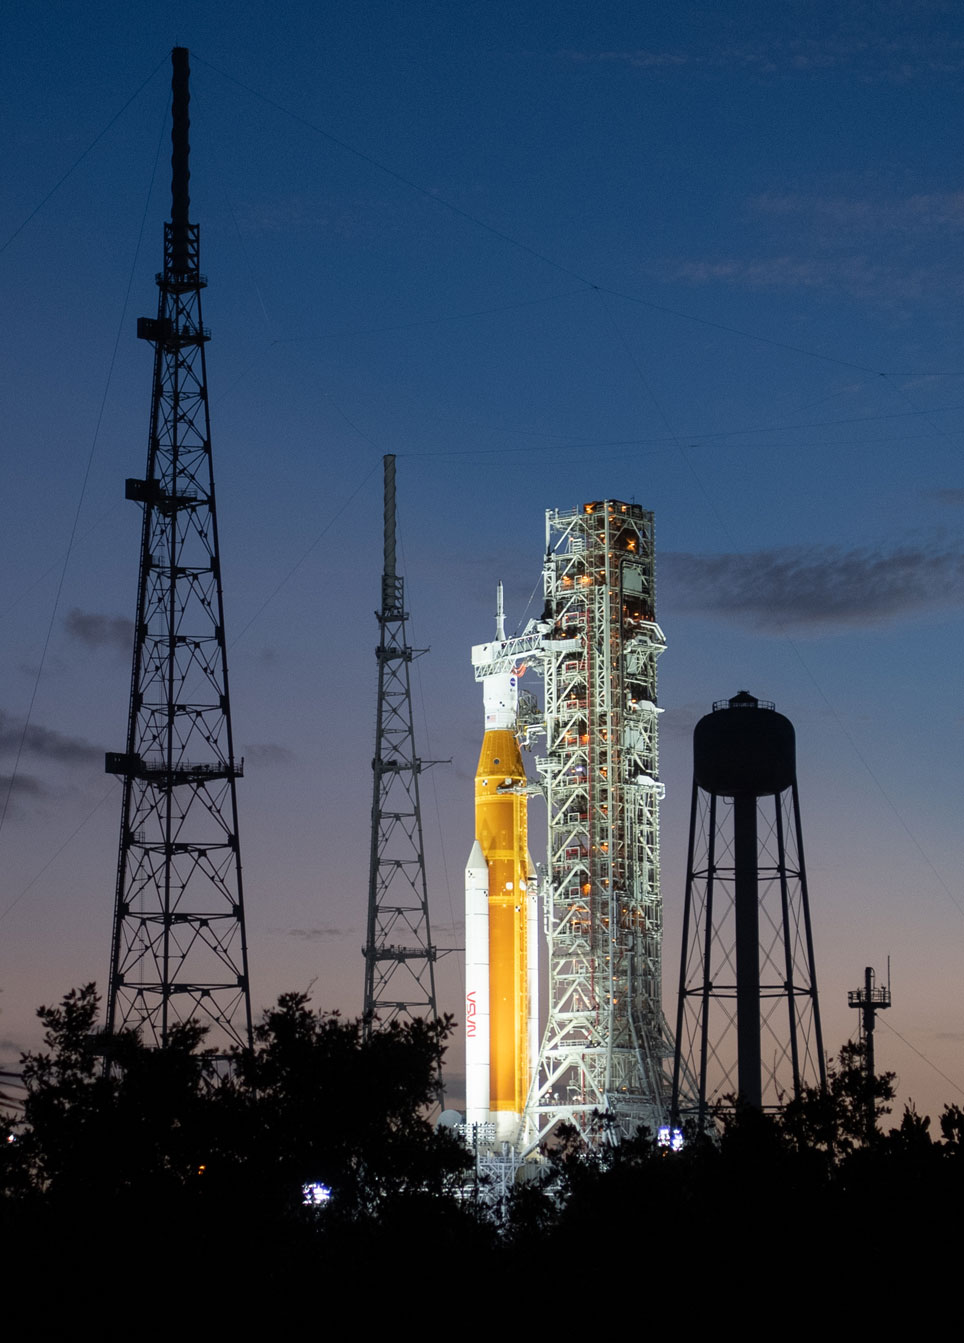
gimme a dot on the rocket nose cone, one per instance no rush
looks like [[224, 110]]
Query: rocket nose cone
[[477, 861]]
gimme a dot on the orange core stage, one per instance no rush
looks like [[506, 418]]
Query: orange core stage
[[500, 828]]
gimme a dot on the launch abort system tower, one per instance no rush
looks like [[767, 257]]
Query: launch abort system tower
[[178, 949], [748, 1022]]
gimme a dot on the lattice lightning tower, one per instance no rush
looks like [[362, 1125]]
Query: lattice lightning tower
[[399, 953], [179, 949], [606, 1042]]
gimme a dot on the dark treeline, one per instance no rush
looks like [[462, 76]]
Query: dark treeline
[[162, 1185]]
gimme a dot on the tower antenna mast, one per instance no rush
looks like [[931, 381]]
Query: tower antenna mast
[[399, 953], [179, 951], [869, 1000]]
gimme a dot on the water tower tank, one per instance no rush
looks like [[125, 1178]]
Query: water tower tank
[[744, 748]]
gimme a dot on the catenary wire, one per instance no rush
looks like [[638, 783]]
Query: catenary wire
[[83, 486], [77, 162], [923, 1057]]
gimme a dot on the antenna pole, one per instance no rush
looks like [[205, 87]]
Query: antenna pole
[[399, 953], [870, 1000], [179, 951]]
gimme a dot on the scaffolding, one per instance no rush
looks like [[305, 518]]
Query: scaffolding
[[606, 1042], [603, 1060]]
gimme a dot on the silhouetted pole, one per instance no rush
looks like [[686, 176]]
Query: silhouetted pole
[[399, 952], [869, 1001], [747, 917]]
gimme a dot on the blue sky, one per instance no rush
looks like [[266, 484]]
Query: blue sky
[[707, 259]]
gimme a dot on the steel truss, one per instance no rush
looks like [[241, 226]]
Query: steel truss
[[606, 1040], [179, 950], [789, 1037], [603, 1060], [399, 953]]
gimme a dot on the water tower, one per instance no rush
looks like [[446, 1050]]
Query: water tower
[[748, 1021]]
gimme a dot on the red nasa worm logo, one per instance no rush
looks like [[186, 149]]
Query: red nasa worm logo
[[470, 1014]]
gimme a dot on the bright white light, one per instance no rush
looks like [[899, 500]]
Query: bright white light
[[669, 1137], [315, 1195]]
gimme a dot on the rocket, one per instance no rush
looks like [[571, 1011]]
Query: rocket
[[501, 921]]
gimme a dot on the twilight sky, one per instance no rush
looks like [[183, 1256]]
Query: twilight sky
[[703, 257]]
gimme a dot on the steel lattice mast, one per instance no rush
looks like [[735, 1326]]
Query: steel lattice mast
[[399, 953], [179, 950]]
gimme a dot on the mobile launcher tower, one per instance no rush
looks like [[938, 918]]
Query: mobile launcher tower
[[606, 1044]]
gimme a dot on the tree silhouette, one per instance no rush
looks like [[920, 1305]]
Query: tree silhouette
[[168, 1162], [317, 1102]]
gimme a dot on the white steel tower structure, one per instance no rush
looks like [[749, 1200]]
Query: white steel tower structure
[[606, 1045], [606, 1042]]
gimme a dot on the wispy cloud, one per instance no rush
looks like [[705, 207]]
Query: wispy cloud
[[921, 215], [863, 242], [445, 930], [953, 498], [640, 59], [680, 719], [814, 589], [99, 631], [306, 215], [319, 934], [268, 753], [868, 43], [47, 744], [860, 276], [24, 785]]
